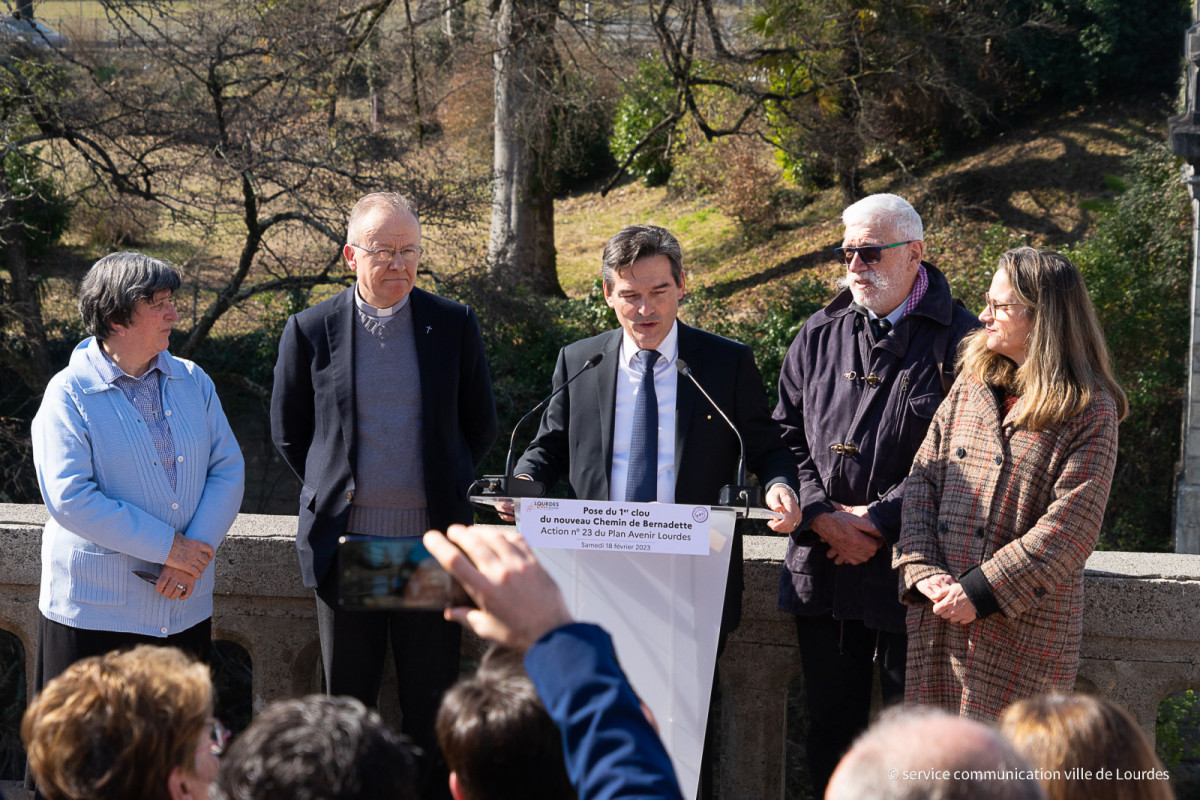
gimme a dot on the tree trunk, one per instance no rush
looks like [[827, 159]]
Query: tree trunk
[[25, 297], [414, 70], [525, 64]]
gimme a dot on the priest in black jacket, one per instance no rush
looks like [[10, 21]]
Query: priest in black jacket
[[383, 407]]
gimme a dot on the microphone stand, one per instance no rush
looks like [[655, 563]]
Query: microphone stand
[[733, 495], [509, 485]]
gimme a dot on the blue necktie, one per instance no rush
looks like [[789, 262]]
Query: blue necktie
[[641, 484]]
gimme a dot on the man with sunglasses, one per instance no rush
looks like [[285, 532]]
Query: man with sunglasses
[[857, 391], [383, 407]]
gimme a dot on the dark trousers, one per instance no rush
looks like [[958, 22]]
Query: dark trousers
[[839, 659], [426, 651], [59, 646]]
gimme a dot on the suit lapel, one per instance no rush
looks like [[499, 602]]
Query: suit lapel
[[686, 394], [339, 328], [427, 355], [606, 400]]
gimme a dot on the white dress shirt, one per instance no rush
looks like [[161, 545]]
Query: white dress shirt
[[629, 380]]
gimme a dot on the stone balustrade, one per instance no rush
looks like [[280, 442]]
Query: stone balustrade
[[1141, 632]]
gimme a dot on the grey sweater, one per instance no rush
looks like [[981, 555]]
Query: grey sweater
[[389, 472]]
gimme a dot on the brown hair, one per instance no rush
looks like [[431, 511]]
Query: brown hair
[[1077, 735], [113, 727], [1066, 360], [497, 737]]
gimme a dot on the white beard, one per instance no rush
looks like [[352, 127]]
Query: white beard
[[880, 287]]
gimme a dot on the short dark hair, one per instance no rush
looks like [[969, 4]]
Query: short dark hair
[[114, 285], [498, 739], [640, 241], [317, 747]]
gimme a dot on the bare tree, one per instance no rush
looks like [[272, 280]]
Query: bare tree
[[226, 117], [526, 68]]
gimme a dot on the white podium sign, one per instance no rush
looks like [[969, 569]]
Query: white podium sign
[[664, 613], [605, 525]]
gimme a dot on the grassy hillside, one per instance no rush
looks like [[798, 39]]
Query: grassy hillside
[[1034, 183]]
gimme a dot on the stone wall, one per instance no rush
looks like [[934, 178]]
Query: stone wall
[[1141, 637]]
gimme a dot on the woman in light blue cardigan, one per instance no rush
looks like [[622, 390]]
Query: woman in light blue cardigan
[[140, 472]]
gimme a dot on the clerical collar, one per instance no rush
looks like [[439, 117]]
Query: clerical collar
[[367, 308]]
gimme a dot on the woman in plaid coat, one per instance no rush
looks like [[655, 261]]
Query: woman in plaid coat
[[1007, 494]]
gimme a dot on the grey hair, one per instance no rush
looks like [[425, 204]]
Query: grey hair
[[888, 209], [640, 241], [393, 202], [922, 753], [114, 285]]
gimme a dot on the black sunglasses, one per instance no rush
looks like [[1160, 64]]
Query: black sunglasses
[[868, 254]]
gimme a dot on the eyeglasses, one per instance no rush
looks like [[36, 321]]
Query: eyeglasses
[[218, 735], [991, 305], [386, 256], [868, 254]]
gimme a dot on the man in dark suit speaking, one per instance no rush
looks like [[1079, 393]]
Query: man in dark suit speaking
[[621, 432], [383, 407], [634, 429]]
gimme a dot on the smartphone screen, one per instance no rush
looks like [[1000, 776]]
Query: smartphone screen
[[377, 574]]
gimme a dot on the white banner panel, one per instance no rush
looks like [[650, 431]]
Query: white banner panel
[[664, 613]]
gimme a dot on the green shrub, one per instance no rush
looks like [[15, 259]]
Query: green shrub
[[1137, 266], [646, 101], [522, 334], [769, 334], [1081, 49], [582, 121], [42, 210], [1176, 726], [968, 282]]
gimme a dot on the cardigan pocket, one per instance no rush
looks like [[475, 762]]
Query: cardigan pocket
[[98, 578]]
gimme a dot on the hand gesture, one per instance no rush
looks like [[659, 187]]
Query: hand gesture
[[518, 601], [190, 556], [955, 606], [852, 539], [781, 499], [175, 584]]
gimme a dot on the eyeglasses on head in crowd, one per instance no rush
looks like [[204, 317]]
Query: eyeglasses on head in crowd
[[991, 305], [386, 255], [217, 736], [868, 254]]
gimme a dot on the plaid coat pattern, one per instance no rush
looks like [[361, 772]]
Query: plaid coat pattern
[[1025, 507]]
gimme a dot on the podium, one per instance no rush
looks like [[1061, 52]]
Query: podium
[[663, 611]]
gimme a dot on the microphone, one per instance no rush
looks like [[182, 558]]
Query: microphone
[[739, 493], [509, 485]]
